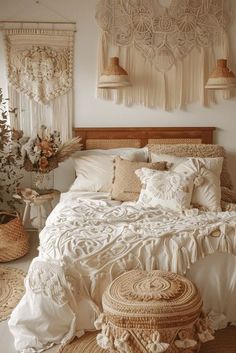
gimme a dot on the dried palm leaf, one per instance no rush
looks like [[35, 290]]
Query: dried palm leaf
[[68, 148]]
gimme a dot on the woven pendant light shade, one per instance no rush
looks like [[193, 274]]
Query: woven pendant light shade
[[222, 77], [114, 76]]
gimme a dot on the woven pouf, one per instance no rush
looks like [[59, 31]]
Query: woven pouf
[[152, 312]]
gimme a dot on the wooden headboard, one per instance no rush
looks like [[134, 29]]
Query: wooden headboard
[[140, 136]]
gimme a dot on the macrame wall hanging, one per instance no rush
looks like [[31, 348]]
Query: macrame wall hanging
[[40, 71], [168, 48], [40, 62]]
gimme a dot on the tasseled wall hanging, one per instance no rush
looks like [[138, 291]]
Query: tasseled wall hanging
[[167, 51], [40, 73]]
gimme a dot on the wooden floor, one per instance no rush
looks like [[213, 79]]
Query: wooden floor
[[224, 342]]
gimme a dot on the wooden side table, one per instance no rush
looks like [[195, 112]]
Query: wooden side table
[[43, 205]]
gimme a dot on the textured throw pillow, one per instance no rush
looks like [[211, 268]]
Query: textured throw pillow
[[168, 189], [193, 150], [126, 185], [207, 171]]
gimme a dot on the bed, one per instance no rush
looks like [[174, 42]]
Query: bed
[[90, 239]]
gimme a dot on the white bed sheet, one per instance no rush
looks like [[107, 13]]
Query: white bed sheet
[[65, 282]]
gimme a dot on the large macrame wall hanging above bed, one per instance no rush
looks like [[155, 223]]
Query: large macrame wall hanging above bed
[[168, 48]]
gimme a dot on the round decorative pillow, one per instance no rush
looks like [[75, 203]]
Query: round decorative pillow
[[152, 312]]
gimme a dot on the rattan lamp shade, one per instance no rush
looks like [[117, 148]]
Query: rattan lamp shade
[[114, 76], [222, 77]]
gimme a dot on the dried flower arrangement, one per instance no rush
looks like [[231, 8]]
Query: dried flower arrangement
[[44, 153], [41, 154], [11, 163]]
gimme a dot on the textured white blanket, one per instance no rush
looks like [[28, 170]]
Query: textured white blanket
[[87, 243]]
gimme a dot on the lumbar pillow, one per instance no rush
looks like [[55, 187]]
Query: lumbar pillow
[[168, 189], [126, 185]]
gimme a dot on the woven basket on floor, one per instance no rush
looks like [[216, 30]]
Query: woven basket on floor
[[14, 241], [152, 312]]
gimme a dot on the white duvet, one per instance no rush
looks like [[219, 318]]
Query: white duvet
[[87, 243]]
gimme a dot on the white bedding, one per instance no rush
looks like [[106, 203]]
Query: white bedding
[[88, 242]]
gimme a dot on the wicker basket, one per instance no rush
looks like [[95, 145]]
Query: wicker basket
[[14, 242]]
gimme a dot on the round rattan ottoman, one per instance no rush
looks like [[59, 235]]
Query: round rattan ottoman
[[152, 312]]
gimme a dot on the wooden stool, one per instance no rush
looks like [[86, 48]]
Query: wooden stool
[[44, 206]]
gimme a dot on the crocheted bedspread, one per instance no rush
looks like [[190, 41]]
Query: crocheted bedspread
[[87, 243]]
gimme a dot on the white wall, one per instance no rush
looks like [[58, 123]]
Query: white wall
[[90, 111]]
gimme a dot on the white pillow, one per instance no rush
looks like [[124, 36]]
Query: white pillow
[[165, 188], [130, 153], [207, 191], [95, 171]]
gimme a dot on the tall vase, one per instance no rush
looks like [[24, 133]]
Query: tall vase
[[43, 182]]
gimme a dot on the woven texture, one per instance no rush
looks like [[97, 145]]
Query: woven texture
[[157, 294], [112, 143], [195, 150], [11, 290], [152, 312], [228, 195], [175, 141], [227, 206], [14, 241], [85, 344], [126, 185]]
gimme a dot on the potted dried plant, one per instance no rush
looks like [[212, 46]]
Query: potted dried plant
[[11, 163]]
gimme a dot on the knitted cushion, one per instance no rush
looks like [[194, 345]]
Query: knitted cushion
[[198, 150], [161, 311], [126, 185]]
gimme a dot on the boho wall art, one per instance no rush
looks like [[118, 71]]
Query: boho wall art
[[40, 70], [40, 62], [167, 47]]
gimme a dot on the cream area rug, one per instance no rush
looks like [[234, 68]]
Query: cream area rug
[[11, 290], [225, 342]]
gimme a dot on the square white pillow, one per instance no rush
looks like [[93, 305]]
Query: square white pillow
[[95, 171], [165, 188], [207, 171]]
